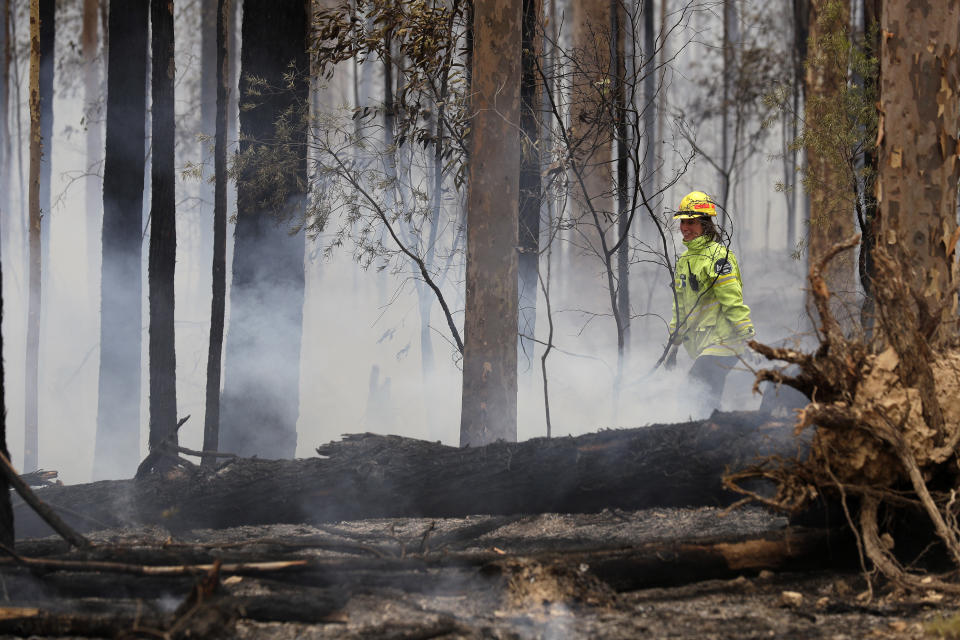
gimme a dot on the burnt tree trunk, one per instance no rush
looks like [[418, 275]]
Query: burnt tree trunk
[[32, 381], [530, 188], [211, 425], [163, 231], [728, 143], [261, 394], [6, 510], [117, 448], [204, 241], [368, 476], [47, 63], [620, 25], [591, 45], [489, 399], [6, 217], [92, 90]]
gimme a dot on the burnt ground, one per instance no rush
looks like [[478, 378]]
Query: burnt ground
[[549, 576]]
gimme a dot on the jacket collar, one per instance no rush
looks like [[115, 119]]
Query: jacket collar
[[700, 242]]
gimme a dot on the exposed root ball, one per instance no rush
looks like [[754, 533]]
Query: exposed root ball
[[885, 414], [881, 403]]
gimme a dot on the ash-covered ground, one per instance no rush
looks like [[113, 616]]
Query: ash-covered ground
[[536, 576]]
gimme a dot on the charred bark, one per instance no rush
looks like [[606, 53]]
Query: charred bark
[[35, 262], [211, 424], [6, 510], [6, 216], [47, 64], [163, 231], [117, 447], [370, 476], [92, 92], [530, 188], [260, 400], [304, 579]]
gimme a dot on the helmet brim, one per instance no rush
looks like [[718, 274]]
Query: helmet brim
[[691, 215]]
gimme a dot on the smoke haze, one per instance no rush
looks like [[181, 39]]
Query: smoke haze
[[355, 320]]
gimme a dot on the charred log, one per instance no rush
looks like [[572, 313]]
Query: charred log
[[369, 476]]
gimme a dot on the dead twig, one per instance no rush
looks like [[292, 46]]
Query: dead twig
[[44, 564]]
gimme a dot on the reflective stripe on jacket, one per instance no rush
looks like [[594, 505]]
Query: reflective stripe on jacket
[[709, 301]]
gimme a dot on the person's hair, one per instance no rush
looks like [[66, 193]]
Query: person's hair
[[709, 229]]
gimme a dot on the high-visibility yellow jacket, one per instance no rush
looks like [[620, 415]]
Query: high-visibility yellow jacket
[[709, 304]]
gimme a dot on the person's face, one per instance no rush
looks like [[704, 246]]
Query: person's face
[[690, 229]]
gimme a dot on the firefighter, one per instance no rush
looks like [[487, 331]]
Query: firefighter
[[710, 319]]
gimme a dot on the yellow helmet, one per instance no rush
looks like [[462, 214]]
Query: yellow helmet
[[696, 204]]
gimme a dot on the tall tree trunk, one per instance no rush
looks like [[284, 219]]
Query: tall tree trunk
[[23, 205], [866, 263], [662, 62], [731, 38], [31, 381], [5, 51], [260, 400], [918, 151], [590, 131], [209, 72], [47, 42], [211, 425], [530, 188], [163, 231], [652, 103], [92, 90], [791, 116], [799, 203], [489, 400], [831, 193], [618, 47], [591, 43], [6, 510], [206, 190], [117, 448]]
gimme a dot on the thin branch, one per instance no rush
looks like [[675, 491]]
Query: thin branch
[[49, 515]]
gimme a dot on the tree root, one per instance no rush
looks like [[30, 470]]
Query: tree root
[[883, 434]]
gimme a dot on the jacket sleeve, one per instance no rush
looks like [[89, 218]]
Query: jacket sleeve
[[728, 289]]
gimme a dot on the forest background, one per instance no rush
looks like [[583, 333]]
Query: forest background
[[726, 76]]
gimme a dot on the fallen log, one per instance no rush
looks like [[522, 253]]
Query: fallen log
[[75, 597], [659, 562], [44, 512], [42, 621], [370, 476]]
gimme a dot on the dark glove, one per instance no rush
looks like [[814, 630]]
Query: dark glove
[[671, 362]]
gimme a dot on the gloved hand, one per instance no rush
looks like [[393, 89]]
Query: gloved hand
[[671, 361]]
